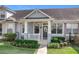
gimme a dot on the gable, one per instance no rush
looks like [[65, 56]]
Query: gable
[[37, 14]]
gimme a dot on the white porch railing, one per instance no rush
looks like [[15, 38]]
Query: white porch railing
[[31, 36]]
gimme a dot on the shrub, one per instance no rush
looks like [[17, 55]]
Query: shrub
[[61, 45], [32, 45], [57, 39], [62, 38], [50, 45], [54, 45], [10, 36], [76, 39], [54, 39], [65, 44], [26, 43]]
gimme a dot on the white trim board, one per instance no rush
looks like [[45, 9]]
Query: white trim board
[[37, 11]]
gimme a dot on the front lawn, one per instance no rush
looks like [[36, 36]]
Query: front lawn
[[7, 48], [73, 49]]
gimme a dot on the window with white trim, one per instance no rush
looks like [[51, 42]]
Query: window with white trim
[[56, 28], [10, 27], [2, 14], [53, 29], [23, 28], [36, 28], [73, 28]]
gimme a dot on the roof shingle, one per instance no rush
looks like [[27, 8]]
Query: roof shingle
[[59, 14]]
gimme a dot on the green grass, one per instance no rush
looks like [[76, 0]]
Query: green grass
[[73, 49], [6, 48]]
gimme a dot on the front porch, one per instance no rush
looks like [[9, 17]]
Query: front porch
[[36, 31], [39, 30], [42, 29]]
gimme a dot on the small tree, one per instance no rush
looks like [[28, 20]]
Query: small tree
[[10, 36]]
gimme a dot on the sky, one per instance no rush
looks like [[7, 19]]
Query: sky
[[24, 7]]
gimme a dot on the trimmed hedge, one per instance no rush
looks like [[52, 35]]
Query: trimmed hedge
[[57, 39], [26, 43], [9, 36]]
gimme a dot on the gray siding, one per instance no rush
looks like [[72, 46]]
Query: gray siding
[[37, 14], [30, 28], [8, 25]]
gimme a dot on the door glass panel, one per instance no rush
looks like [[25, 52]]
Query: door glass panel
[[45, 30]]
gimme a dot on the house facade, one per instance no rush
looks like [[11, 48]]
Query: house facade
[[39, 24]]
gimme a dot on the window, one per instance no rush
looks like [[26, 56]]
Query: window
[[73, 28], [2, 14], [59, 28], [56, 28], [36, 29], [0, 29], [10, 27], [23, 28], [53, 28]]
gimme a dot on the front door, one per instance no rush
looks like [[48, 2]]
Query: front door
[[45, 32]]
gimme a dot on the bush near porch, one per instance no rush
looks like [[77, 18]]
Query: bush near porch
[[25, 43], [9, 36], [9, 44], [57, 39], [57, 42]]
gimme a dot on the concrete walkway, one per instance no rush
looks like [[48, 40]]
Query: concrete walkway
[[43, 47]]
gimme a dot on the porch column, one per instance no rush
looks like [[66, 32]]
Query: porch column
[[49, 31], [65, 30], [25, 30]]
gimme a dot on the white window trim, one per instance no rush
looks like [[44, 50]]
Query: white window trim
[[72, 32], [23, 29], [34, 28], [2, 13], [56, 29], [72, 25]]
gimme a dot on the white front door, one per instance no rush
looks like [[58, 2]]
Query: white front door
[[42, 29]]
